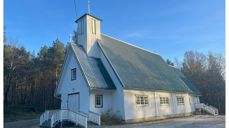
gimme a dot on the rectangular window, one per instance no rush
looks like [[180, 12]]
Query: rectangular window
[[73, 74], [83, 26], [164, 100], [180, 100], [98, 101], [93, 24], [142, 100], [80, 27]]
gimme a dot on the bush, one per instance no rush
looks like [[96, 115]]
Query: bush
[[109, 118]]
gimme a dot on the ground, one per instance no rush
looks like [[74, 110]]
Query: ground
[[187, 122], [15, 113]]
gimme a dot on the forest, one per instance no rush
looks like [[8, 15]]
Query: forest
[[30, 79]]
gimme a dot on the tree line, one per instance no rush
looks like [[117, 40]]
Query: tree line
[[30, 80], [207, 73]]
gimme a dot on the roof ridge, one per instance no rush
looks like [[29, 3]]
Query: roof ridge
[[131, 45]]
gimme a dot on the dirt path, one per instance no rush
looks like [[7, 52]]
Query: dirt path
[[187, 122]]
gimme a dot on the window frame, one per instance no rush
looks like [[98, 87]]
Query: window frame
[[141, 100], [80, 27], [72, 73], [101, 101], [93, 24], [83, 26], [180, 100], [164, 100]]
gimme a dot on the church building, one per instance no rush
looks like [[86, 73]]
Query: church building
[[102, 73]]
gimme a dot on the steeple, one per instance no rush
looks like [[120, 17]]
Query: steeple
[[88, 6], [88, 32]]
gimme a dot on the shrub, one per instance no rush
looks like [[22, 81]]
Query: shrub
[[109, 118]]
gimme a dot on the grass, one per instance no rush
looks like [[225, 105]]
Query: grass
[[15, 113]]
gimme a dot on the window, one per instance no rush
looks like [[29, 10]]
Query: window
[[98, 101], [142, 100], [164, 100], [180, 100], [81, 27], [93, 24], [73, 74]]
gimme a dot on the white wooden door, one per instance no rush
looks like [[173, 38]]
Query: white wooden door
[[73, 102]]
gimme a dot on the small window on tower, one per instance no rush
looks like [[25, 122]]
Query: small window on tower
[[82, 27], [93, 26], [79, 27]]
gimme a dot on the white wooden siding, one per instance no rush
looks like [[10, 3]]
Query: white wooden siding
[[68, 86], [134, 111], [88, 38], [107, 102]]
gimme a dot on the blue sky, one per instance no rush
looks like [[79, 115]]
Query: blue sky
[[167, 27]]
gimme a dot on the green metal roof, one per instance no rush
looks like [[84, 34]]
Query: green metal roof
[[93, 70], [189, 83], [141, 69]]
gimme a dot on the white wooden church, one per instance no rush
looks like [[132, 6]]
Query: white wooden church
[[101, 73]]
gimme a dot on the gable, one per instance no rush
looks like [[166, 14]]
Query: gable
[[140, 69], [92, 70], [65, 84]]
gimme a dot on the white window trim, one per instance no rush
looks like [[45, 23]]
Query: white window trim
[[101, 101], [145, 98], [93, 24], [179, 101], [72, 74], [82, 26], [164, 103]]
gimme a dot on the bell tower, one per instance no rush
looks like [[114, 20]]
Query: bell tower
[[88, 31]]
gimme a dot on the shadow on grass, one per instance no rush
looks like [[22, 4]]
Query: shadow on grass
[[15, 113]]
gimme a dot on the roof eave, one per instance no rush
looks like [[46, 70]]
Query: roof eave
[[155, 90], [88, 15]]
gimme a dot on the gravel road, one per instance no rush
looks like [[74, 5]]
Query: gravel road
[[187, 122]]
